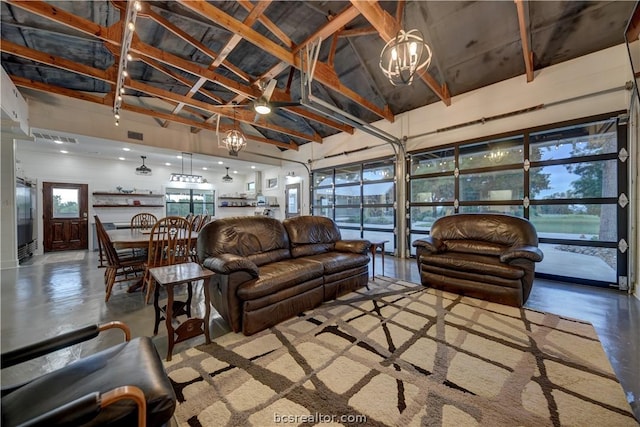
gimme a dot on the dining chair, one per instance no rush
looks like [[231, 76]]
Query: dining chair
[[205, 220], [119, 268], [169, 243], [195, 222], [143, 221]]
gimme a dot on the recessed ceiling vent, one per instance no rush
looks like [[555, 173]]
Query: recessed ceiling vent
[[134, 135], [53, 138]]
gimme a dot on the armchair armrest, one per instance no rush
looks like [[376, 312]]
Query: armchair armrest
[[230, 263], [83, 409], [430, 244], [58, 342], [354, 246], [531, 253]]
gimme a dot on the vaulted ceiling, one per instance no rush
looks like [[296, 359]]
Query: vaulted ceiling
[[201, 64]]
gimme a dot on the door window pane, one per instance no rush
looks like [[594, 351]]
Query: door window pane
[[583, 262], [349, 195], [503, 209], [423, 216], [576, 221], [376, 194], [433, 190], [498, 152], [379, 217], [323, 211], [378, 171], [576, 180], [433, 162], [322, 197], [574, 141], [66, 203], [347, 174], [348, 216], [500, 185]]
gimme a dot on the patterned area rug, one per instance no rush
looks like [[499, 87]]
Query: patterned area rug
[[400, 354]]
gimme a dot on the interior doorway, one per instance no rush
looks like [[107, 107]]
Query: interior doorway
[[64, 218], [292, 198]]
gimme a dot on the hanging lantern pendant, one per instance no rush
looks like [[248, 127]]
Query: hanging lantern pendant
[[403, 56]]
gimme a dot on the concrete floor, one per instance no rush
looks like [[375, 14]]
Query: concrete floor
[[49, 294]]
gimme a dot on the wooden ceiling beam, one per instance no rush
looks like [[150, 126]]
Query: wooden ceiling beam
[[226, 111], [524, 38], [57, 62], [324, 74], [195, 43], [387, 26], [226, 50], [140, 48], [250, 7], [633, 28], [45, 87], [63, 17]]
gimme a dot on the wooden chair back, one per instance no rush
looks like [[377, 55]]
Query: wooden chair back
[[195, 222], [143, 221], [169, 242]]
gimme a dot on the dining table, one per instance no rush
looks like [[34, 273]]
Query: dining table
[[134, 238]]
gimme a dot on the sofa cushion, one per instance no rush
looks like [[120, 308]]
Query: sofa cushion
[[333, 262], [473, 263], [280, 275], [311, 235], [262, 240], [495, 228], [475, 247]]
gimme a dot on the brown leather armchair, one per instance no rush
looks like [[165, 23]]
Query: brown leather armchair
[[123, 385], [486, 256]]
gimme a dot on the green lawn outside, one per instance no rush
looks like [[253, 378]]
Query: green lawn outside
[[578, 224]]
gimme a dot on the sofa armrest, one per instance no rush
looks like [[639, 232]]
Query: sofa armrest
[[430, 244], [531, 253], [354, 246], [230, 263]]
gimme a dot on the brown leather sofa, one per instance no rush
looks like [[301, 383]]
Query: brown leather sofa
[[486, 256], [268, 271]]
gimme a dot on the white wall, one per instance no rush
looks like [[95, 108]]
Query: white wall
[[106, 175]]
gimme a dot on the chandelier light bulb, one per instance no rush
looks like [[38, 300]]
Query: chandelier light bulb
[[122, 90], [138, 6], [117, 116], [129, 57], [125, 73], [131, 26]]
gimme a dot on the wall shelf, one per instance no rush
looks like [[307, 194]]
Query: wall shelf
[[106, 199]]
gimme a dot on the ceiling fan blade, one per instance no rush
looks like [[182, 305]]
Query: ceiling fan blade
[[268, 91], [277, 104]]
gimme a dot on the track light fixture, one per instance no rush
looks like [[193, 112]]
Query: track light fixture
[[133, 7]]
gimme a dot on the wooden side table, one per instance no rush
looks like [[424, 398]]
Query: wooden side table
[[374, 248], [168, 277]]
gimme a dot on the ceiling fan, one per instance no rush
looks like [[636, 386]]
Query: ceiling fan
[[263, 104]]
